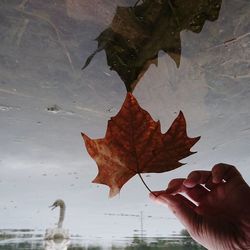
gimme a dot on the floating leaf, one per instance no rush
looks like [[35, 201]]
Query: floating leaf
[[137, 34], [134, 144]]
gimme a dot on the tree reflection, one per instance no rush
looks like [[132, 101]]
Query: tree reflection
[[182, 242], [10, 240]]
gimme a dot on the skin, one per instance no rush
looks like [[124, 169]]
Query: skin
[[215, 209]]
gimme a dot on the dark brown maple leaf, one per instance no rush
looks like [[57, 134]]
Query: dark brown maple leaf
[[134, 144], [137, 34]]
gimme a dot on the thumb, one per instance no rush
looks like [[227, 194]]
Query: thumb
[[183, 209]]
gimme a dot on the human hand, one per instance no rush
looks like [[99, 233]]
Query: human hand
[[217, 213]]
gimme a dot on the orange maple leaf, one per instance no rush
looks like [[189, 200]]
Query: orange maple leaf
[[134, 144]]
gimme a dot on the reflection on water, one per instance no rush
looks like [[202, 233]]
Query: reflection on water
[[34, 240], [137, 34], [60, 244]]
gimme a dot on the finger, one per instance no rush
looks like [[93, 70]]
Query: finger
[[197, 177], [154, 194], [224, 172], [175, 186], [210, 184], [163, 198], [197, 193], [181, 207]]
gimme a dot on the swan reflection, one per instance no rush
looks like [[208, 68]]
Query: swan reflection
[[57, 244]]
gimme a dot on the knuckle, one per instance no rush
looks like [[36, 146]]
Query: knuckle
[[175, 182], [220, 166], [194, 175], [171, 183]]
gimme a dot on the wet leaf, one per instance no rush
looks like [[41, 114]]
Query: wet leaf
[[138, 33], [134, 144]]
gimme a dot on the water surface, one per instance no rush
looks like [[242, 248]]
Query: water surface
[[33, 240]]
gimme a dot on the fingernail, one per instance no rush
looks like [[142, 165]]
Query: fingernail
[[188, 183]]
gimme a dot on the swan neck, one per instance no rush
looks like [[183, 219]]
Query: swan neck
[[61, 216]]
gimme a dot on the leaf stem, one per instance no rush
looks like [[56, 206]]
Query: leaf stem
[[145, 184]]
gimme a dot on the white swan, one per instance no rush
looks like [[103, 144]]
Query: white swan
[[58, 232]]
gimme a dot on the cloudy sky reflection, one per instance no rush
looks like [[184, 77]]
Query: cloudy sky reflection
[[46, 101]]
